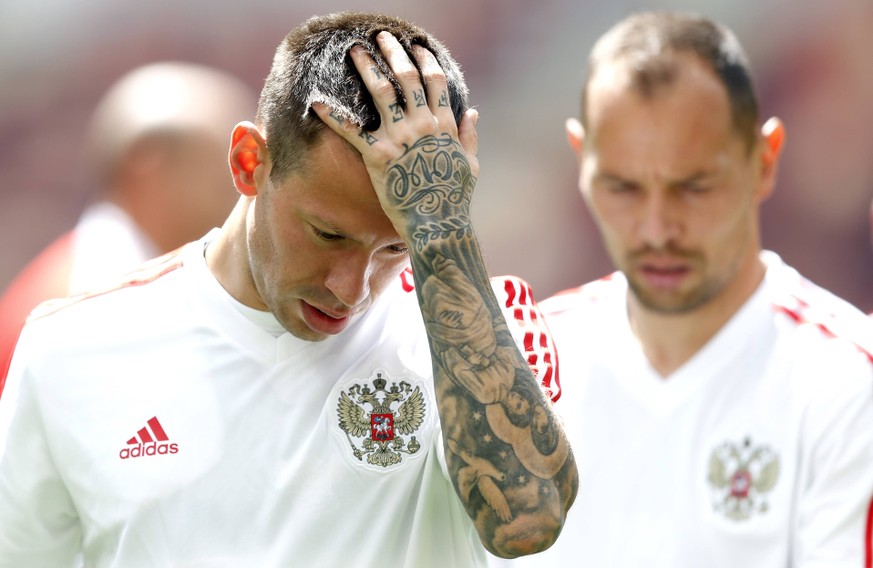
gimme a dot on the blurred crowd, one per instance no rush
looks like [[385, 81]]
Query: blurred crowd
[[521, 59]]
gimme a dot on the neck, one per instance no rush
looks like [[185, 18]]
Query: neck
[[669, 340], [227, 258]]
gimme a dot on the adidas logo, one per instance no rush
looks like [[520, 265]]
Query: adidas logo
[[150, 440]]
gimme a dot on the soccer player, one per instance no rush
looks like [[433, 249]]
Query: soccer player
[[285, 392], [156, 151], [720, 403]]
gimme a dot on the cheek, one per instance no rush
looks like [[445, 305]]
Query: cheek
[[386, 273], [277, 247], [724, 219], [613, 216]]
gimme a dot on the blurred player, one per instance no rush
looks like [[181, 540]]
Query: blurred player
[[719, 402], [156, 148]]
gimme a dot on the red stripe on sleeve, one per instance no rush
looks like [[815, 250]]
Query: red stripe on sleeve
[[528, 342], [800, 317], [510, 292]]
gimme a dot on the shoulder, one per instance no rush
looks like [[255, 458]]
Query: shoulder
[[588, 296], [816, 315], [826, 341], [146, 274], [128, 304]]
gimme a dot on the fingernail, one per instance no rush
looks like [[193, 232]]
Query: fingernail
[[384, 35]]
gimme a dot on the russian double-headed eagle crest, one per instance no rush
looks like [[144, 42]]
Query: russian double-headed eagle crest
[[376, 420], [740, 476]]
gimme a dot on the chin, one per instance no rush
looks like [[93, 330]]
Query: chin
[[668, 303], [304, 333]]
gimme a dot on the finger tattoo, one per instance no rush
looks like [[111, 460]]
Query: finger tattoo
[[398, 112], [335, 115]]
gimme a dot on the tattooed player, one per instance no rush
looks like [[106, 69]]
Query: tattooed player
[[284, 391]]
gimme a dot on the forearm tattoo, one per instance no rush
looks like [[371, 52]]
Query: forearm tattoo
[[506, 452]]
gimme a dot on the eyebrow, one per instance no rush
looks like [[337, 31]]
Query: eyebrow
[[697, 176], [326, 224], [606, 176]]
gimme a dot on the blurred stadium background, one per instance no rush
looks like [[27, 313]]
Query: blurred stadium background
[[524, 61]]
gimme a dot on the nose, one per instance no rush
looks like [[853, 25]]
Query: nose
[[658, 224], [348, 277]]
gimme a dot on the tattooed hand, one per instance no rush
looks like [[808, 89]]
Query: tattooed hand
[[422, 165]]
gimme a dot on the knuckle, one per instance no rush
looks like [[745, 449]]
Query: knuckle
[[434, 76], [383, 154], [425, 123], [384, 90], [407, 75]]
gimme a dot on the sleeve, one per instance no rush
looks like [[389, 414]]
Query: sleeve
[[833, 522], [38, 522], [528, 328]]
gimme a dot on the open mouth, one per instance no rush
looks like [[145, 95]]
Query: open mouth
[[664, 276], [322, 322]]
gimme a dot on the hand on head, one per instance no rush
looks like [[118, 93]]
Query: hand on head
[[418, 157]]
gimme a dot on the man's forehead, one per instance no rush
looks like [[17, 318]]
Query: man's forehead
[[328, 150], [649, 74], [673, 74]]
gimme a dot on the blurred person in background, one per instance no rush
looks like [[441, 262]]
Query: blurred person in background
[[156, 149], [327, 379], [721, 404]]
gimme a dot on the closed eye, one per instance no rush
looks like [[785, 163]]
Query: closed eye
[[325, 236], [691, 187], [622, 187]]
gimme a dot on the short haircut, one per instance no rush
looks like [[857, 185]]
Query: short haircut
[[643, 42], [312, 64]]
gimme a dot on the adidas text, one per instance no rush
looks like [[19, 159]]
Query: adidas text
[[148, 450]]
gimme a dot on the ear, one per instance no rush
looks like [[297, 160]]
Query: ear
[[575, 136], [248, 151], [773, 138]]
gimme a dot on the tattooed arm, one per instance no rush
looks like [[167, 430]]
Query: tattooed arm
[[506, 452]]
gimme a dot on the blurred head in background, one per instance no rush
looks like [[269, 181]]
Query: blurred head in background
[[157, 147], [157, 151], [674, 161]]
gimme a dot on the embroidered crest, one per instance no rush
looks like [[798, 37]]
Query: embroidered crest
[[740, 476], [382, 416]]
